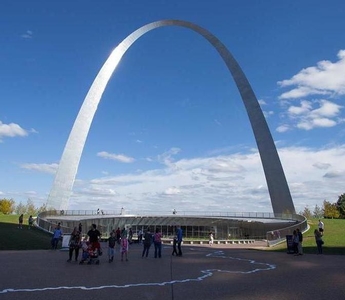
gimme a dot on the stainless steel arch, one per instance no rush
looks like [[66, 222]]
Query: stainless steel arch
[[277, 185]]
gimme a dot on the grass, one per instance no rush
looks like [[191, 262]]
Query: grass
[[334, 237], [14, 238], [34, 239]]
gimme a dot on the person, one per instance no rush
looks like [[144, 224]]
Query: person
[[130, 236], [147, 243], [20, 221], [179, 234], [210, 241], [85, 247], [300, 240], [321, 227], [118, 234], [80, 228], [174, 246], [295, 240], [57, 235], [124, 245], [74, 244], [30, 221], [111, 246], [158, 243], [94, 236], [97, 211], [140, 236], [318, 240]]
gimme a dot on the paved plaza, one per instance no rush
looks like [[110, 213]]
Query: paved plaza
[[203, 272]]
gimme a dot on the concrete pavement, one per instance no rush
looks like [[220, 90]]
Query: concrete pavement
[[218, 272]]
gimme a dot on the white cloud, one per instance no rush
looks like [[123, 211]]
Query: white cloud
[[283, 128], [27, 35], [118, 157], [11, 130], [312, 114], [171, 191], [45, 168], [326, 78], [233, 183]]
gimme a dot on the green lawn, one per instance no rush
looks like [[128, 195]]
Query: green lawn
[[14, 238], [334, 237]]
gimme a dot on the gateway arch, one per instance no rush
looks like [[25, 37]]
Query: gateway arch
[[277, 185]]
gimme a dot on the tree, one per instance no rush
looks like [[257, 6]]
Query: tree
[[306, 213], [330, 210], [7, 206], [42, 208], [318, 212], [30, 207], [20, 209], [341, 205]]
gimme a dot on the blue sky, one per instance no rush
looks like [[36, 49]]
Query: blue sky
[[171, 130]]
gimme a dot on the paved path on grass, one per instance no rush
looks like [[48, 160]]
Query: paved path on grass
[[216, 273]]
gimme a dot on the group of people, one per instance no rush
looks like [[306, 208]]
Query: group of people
[[91, 247], [297, 238], [21, 220]]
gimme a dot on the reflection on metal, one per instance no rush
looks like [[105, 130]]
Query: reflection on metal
[[277, 185]]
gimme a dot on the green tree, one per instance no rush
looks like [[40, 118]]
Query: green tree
[[330, 210], [20, 209], [7, 206], [306, 213], [42, 208], [30, 208], [341, 205], [318, 212]]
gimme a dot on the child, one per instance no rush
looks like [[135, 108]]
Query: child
[[124, 247], [174, 246], [85, 247], [111, 246]]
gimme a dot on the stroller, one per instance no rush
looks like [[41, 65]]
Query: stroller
[[91, 252]]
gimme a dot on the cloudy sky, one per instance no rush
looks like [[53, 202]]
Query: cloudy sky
[[171, 131]]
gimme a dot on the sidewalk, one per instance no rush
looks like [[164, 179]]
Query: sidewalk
[[203, 272]]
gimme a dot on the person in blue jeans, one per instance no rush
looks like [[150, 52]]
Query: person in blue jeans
[[158, 243], [57, 235]]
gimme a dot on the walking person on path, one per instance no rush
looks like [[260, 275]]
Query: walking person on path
[[74, 244], [179, 235], [111, 246], [158, 243], [147, 243]]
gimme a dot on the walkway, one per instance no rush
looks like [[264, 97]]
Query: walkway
[[218, 272]]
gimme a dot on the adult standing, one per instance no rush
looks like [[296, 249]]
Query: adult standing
[[20, 221], [157, 238], [321, 227], [147, 243], [94, 236], [57, 235], [318, 240], [30, 221], [74, 244], [80, 228], [179, 235]]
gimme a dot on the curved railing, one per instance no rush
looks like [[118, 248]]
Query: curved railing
[[87, 217], [275, 237]]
